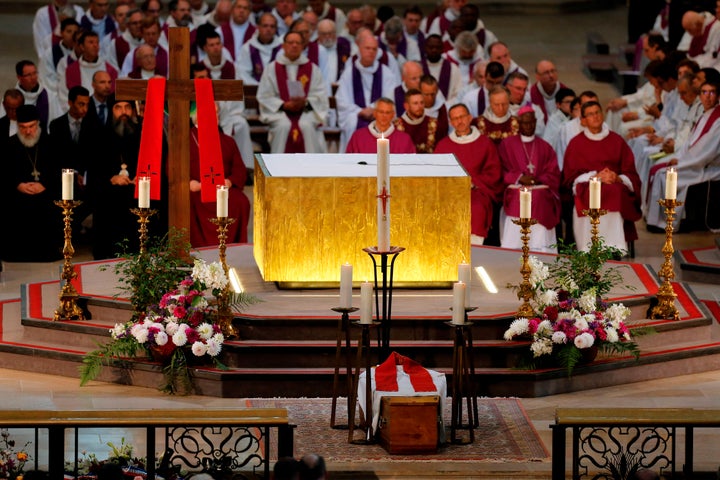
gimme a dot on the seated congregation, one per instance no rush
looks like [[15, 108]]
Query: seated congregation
[[317, 78]]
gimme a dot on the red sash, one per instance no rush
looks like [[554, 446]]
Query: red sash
[[386, 374], [295, 142], [713, 118], [697, 45], [211, 166], [150, 155]]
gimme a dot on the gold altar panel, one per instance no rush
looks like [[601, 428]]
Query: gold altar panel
[[306, 227]]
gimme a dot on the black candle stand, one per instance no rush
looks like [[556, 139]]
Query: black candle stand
[[343, 330], [363, 360], [463, 382]]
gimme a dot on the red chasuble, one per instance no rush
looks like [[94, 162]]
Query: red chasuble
[[423, 134], [585, 155], [497, 132], [295, 142], [362, 141], [480, 160]]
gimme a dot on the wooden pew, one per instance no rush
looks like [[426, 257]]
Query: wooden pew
[[248, 420]]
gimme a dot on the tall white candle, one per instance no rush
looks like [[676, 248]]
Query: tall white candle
[[671, 184], [383, 192], [68, 180], [346, 271], [144, 192], [464, 277], [525, 203], [458, 305], [366, 302], [594, 192], [222, 201]]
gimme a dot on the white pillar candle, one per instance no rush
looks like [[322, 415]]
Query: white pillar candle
[[222, 201], [671, 184], [68, 180], [346, 272], [458, 305], [464, 277], [383, 191], [525, 203], [366, 302], [594, 192], [144, 192]]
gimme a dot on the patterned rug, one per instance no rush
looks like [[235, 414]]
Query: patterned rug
[[505, 434]]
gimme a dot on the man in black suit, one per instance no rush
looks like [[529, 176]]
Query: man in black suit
[[100, 107]]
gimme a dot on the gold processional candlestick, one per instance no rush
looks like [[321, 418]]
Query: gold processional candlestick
[[225, 315], [526, 291], [144, 215], [666, 295], [68, 309], [595, 214]]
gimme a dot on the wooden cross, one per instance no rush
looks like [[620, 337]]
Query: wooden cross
[[180, 90]]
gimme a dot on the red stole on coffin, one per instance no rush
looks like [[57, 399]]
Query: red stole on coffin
[[386, 374], [295, 142]]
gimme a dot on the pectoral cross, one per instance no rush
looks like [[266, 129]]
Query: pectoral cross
[[35, 174], [180, 90], [531, 168]]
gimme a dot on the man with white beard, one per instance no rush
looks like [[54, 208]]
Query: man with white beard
[[333, 52], [32, 181]]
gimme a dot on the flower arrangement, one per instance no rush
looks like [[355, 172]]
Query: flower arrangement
[[572, 319], [88, 466], [12, 462], [182, 327]]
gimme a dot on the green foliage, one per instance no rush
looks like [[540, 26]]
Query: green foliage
[[145, 278], [587, 269], [239, 301], [106, 355], [568, 356]]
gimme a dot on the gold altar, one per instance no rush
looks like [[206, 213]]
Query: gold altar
[[320, 212]]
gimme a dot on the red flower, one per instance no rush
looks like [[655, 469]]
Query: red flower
[[551, 313], [533, 325], [180, 312]]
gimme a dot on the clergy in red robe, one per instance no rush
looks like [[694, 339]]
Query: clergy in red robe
[[478, 156], [202, 232], [597, 152], [529, 162], [497, 123], [422, 129], [364, 140]]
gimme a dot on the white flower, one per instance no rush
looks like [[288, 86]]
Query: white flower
[[212, 275], [581, 324], [213, 347], [559, 337], [568, 315], [218, 338], [544, 328], [541, 346], [179, 338], [171, 327], [612, 335], [517, 327], [199, 349], [118, 331], [538, 271], [161, 338], [139, 332], [548, 297], [584, 340], [617, 313], [205, 330], [587, 300]]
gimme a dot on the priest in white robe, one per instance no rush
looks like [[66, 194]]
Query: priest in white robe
[[293, 100]]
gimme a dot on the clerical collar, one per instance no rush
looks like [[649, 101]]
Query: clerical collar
[[490, 116], [469, 138], [371, 69], [525, 139], [412, 121], [597, 136], [283, 60], [377, 133]]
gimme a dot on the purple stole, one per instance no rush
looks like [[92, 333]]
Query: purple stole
[[313, 52], [57, 54], [295, 142], [86, 24], [227, 72], [343, 52], [481, 37], [256, 60], [122, 48], [711, 120], [399, 100], [444, 80], [375, 91], [402, 46], [52, 16], [43, 106], [161, 62], [444, 23], [471, 67], [73, 76], [135, 74], [421, 42], [697, 45], [331, 13], [229, 38], [481, 102]]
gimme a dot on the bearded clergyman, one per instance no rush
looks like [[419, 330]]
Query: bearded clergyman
[[32, 182]]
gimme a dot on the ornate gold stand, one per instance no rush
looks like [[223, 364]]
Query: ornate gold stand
[[144, 215], [595, 214], [526, 291], [225, 315], [68, 309], [666, 295]]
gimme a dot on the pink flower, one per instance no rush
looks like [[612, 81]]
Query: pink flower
[[180, 311], [533, 325]]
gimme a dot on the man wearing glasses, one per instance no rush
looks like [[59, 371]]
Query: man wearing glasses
[[697, 161], [543, 92]]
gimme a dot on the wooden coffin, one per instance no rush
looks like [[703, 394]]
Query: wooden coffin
[[409, 425]]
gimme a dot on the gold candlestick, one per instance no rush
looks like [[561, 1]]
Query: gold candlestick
[[225, 315], [526, 291], [144, 215], [68, 309], [666, 295], [595, 214]]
